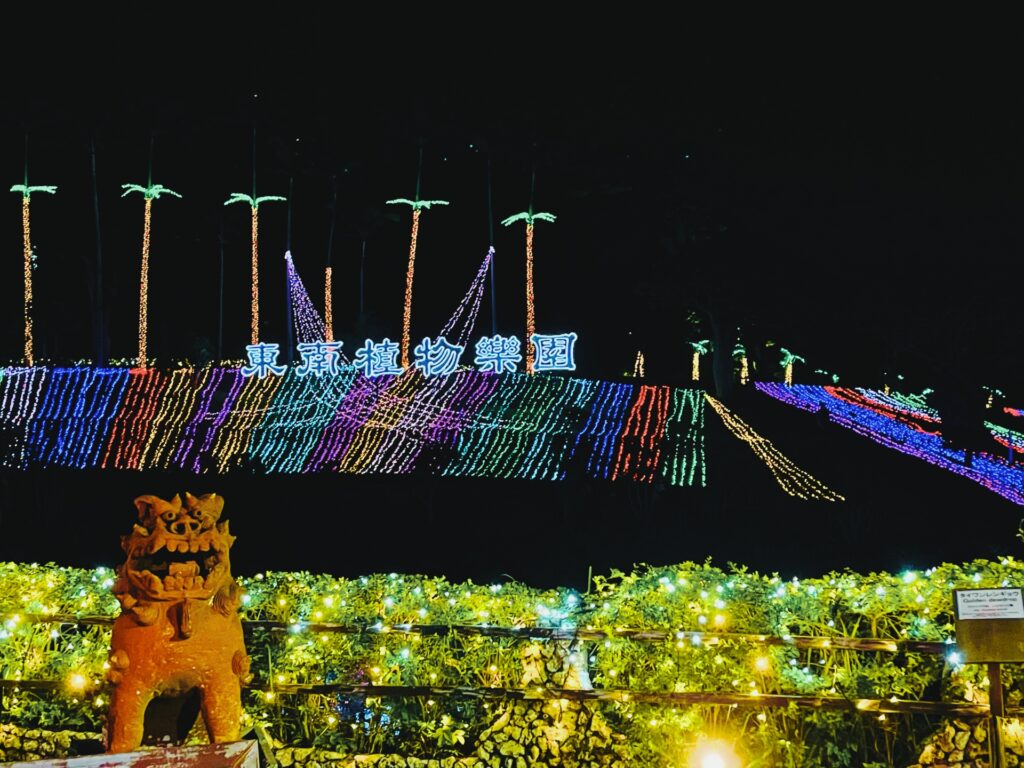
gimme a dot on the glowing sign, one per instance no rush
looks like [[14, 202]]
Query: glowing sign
[[438, 357], [497, 354], [263, 360], [318, 358], [375, 359], [554, 352]]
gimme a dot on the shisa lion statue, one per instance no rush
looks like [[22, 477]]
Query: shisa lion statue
[[179, 627]]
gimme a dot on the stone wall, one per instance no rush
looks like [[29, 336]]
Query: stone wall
[[18, 743], [961, 744]]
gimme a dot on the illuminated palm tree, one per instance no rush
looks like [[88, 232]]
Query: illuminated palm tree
[[417, 205], [149, 193], [254, 203], [788, 358], [699, 348], [529, 217], [739, 352], [26, 245]]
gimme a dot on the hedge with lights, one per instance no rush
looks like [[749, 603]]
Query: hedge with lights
[[655, 636]]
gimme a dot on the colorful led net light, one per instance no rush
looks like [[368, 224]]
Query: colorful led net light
[[460, 325], [308, 324], [72, 421], [20, 390], [915, 406], [791, 479], [896, 428], [466, 424], [300, 412]]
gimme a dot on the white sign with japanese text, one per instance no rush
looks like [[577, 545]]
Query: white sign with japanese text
[[989, 604]]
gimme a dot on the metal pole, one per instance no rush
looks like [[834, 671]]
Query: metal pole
[[289, 341], [997, 707], [490, 231], [220, 301]]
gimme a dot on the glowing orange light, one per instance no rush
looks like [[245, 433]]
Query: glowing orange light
[[328, 307], [407, 310], [638, 365], [255, 323], [530, 321], [144, 285], [27, 247]]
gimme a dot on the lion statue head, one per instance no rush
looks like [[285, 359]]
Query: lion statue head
[[177, 551]]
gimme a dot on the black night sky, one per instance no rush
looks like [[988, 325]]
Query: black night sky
[[859, 203]]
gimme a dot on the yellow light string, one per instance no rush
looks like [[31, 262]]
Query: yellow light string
[[530, 320], [253, 402], [27, 246], [744, 370], [255, 313], [407, 309], [695, 366], [639, 365], [792, 479], [328, 307], [789, 374], [144, 285], [177, 404], [385, 416]]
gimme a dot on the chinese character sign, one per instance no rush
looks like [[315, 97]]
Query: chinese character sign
[[263, 360], [554, 352], [497, 354], [318, 358], [375, 359], [438, 357]]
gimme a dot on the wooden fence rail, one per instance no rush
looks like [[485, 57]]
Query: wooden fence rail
[[839, 642]]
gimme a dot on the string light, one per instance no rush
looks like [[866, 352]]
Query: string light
[[739, 352], [529, 217], [149, 193], [254, 203], [328, 307], [699, 348], [460, 325], [913, 434], [308, 324], [29, 257], [643, 641], [466, 424], [788, 358], [417, 206], [792, 479]]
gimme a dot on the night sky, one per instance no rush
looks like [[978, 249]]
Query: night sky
[[857, 203]]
